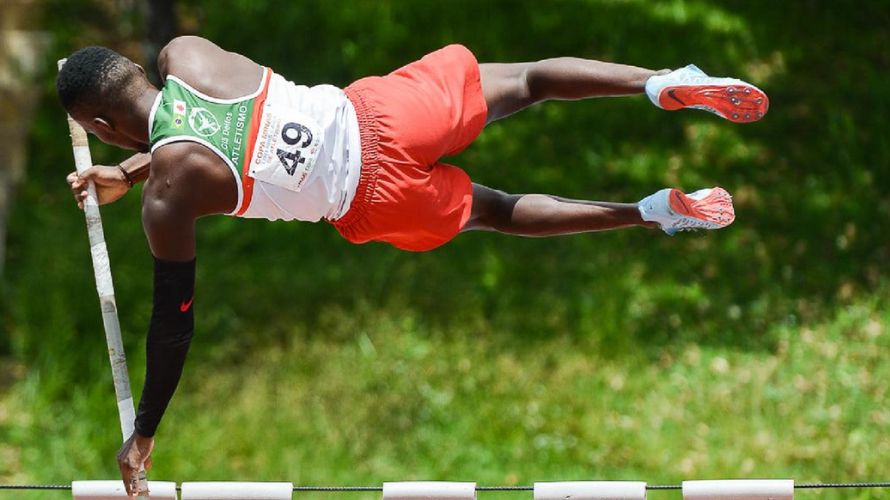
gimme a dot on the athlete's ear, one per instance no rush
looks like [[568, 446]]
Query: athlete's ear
[[103, 124], [140, 68]]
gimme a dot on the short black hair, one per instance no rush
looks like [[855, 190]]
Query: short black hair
[[95, 77]]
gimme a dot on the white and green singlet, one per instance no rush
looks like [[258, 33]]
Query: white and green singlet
[[294, 150]]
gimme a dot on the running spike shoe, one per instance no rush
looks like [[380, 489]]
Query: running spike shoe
[[690, 87], [675, 211]]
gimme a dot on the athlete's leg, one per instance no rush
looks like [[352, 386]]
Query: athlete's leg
[[546, 215], [510, 87]]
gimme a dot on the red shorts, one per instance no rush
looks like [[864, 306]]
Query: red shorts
[[409, 119]]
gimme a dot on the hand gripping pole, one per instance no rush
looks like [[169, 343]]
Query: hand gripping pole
[[105, 288]]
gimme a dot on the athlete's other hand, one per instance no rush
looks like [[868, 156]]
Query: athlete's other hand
[[134, 455], [109, 181]]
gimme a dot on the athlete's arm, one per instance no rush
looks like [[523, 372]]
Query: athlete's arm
[[137, 167], [183, 185], [169, 222], [112, 182]]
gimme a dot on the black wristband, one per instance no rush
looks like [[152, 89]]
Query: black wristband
[[126, 175]]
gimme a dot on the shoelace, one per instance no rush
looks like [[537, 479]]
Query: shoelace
[[694, 75]]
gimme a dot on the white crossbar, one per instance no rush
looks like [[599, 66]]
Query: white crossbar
[[226, 490], [429, 490], [591, 490], [739, 489], [112, 490]]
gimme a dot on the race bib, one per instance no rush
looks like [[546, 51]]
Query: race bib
[[287, 146]]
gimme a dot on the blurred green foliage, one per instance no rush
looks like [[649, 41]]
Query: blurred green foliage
[[497, 358]]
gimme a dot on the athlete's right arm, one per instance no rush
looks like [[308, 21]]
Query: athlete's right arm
[[186, 182], [168, 218], [111, 182]]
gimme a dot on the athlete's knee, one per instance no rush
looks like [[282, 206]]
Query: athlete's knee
[[541, 76], [492, 209], [535, 81], [505, 88]]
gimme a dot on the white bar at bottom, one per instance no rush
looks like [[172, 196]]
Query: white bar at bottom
[[739, 489], [429, 490], [591, 490], [226, 490], [114, 489]]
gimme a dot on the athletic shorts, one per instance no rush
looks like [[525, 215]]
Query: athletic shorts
[[408, 120]]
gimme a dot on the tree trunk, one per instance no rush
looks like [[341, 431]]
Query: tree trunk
[[21, 45], [160, 27]]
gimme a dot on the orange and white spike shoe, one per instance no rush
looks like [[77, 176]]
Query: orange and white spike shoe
[[690, 87], [675, 211]]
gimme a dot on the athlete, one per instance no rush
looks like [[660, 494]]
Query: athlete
[[226, 135]]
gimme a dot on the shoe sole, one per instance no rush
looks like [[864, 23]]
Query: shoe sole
[[739, 103], [715, 207]]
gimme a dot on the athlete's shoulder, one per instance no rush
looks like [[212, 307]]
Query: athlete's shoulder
[[180, 157], [193, 176], [183, 51], [209, 68]]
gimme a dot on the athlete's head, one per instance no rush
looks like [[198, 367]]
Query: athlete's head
[[95, 86]]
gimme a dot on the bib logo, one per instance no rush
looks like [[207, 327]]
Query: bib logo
[[203, 122]]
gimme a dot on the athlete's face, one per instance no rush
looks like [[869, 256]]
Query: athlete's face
[[108, 134]]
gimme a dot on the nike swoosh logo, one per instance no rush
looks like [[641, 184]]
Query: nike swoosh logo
[[672, 96], [185, 306], [679, 199]]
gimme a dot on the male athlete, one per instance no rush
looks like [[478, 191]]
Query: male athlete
[[229, 136]]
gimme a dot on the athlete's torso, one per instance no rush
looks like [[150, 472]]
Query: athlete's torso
[[294, 150]]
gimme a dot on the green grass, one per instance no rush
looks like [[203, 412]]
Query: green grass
[[387, 397]]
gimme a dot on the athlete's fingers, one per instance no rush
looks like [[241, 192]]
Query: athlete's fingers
[[88, 174], [134, 485], [133, 474], [148, 463], [128, 478]]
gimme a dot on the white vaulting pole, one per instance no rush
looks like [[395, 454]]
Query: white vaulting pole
[[105, 288]]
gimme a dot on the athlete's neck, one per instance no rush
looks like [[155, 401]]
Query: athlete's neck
[[133, 120]]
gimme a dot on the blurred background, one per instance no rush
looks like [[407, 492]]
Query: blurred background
[[756, 351]]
